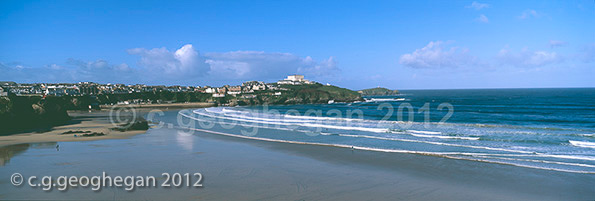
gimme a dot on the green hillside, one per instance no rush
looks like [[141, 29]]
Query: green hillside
[[378, 91], [305, 94]]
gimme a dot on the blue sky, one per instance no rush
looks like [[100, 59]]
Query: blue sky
[[353, 44]]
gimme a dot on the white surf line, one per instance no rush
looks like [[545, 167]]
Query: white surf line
[[437, 143], [240, 119], [582, 144], [312, 121], [385, 99], [330, 145], [405, 122], [313, 118], [417, 133], [525, 166], [243, 125], [385, 138], [541, 161], [585, 158], [306, 120], [434, 134], [377, 130], [235, 124], [445, 137], [268, 119], [444, 154], [532, 154], [327, 118], [424, 132], [267, 127]]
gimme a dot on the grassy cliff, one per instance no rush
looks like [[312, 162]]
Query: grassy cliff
[[305, 94], [378, 91]]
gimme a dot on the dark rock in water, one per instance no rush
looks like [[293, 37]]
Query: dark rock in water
[[74, 132], [92, 134], [140, 124]]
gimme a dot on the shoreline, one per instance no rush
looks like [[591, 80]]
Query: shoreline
[[92, 121]]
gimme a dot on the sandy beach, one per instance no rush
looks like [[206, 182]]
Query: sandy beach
[[92, 122]]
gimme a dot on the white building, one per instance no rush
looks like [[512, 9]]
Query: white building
[[211, 90], [295, 80]]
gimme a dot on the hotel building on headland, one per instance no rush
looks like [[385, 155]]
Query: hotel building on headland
[[295, 80]]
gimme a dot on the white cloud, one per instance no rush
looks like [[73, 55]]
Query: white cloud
[[526, 58], [478, 6], [185, 61], [263, 65], [73, 71], [482, 18], [556, 43], [319, 69], [99, 70], [91, 66], [435, 55], [184, 65], [529, 13]]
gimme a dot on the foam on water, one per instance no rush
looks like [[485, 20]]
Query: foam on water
[[582, 144], [452, 155], [446, 137], [425, 132], [471, 147]]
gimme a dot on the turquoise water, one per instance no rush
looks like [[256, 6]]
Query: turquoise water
[[551, 129]]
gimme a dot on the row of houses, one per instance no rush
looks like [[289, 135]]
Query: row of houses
[[85, 88], [91, 88], [252, 86], [245, 88]]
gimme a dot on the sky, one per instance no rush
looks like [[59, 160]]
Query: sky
[[351, 44]]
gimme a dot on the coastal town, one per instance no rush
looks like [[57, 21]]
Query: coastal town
[[47, 104], [294, 89], [245, 90]]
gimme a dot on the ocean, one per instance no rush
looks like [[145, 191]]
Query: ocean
[[551, 129]]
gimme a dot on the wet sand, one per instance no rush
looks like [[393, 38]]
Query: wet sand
[[345, 174], [244, 169]]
